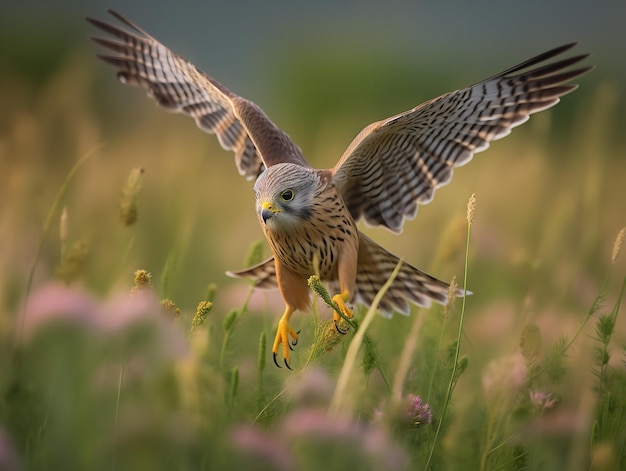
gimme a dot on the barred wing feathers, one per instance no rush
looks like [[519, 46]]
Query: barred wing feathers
[[263, 275], [375, 267], [177, 85], [397, 163]]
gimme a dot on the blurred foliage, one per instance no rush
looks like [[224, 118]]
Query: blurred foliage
[[550, 203]]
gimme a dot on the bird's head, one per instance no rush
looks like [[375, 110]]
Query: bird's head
[[285, 194]]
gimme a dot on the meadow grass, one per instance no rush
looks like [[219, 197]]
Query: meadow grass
[[169, 370]]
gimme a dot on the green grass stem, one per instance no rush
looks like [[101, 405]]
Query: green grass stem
[[407, 354], [339, 400], [453, 376], [46, 230]]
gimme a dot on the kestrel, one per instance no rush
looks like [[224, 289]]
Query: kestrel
[[308, 215]]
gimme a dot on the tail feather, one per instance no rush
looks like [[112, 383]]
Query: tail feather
[[263, 275], [375, 267]]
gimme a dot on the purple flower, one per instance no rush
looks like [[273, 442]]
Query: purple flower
[[9, 460], [57, 303], [263, 446], [54, 303], [313, 387], [324, 435], [541, 400], [310, 438], [417, 411]]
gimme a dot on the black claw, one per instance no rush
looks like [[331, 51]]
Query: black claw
[[295, 341], [276, 362], [340, 330], [291, 348], [287, 365]]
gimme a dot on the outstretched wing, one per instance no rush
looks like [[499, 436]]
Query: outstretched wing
[[395, 164], [179, 86]]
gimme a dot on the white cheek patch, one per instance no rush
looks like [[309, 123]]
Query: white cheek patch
[[285, 222]]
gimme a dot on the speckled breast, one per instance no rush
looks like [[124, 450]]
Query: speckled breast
[[315, 246]]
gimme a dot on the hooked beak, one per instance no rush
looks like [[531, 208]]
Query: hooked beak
[[267, 211]]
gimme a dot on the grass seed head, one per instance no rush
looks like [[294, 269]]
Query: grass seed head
[[260, 362], [329, 335], [169, 307], [63, 227], [452, 290], [202, 312], [130, 197], [229, 320], [471, 207], [255, 254], [73, 262], [617, 246], [143, 281]]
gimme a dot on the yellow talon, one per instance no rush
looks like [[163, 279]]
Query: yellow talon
[[282, 337], [339, 300]]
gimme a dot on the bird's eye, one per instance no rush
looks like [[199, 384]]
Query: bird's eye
[[287, 195]]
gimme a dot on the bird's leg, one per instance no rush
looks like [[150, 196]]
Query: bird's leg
[[282, 337], [340, 300]]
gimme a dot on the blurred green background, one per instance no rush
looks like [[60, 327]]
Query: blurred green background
[[551, 196]]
